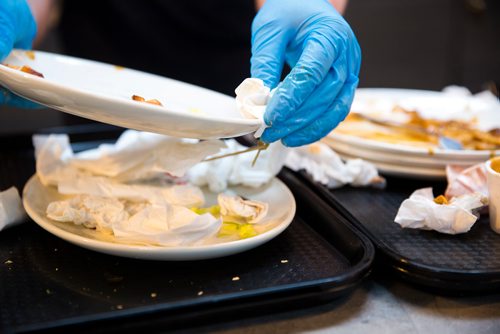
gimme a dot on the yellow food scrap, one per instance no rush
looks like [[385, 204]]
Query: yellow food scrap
[[30, 54], [441, 200], [195, 110], [228, 229], [242, 231], [214, 210], [246, 231]]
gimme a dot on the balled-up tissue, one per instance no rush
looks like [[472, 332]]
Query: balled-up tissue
[[138, 223], [421, 211], [252, 97], [237, 209], [135, 156], [326, 167], [466, 180], [237, 169], [11, 208]]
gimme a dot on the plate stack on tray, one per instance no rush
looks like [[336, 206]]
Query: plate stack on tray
[[400, 156]]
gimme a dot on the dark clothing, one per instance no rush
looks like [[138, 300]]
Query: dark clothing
[[206, 43]]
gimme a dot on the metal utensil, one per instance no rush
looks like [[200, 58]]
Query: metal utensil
[[259, 147]]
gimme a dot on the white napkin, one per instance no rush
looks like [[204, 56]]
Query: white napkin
[[11, 208], [326, 167], [118, 189], [184, 195], [135, 156], [237, 170], [251, 100], [145, 223], [465, 180], [251, 212], [421, 212]]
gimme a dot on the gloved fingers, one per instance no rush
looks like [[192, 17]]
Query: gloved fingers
[[311, 109], [17, 26], [7, 97], [313, 65], [268, 53], [323, 125]]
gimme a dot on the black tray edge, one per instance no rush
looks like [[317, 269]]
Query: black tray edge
[[409, 270]]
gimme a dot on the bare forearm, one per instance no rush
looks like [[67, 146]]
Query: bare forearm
[[339, 5], [45, 13]]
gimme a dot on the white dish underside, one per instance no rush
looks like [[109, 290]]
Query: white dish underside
[[36, 197], [102, 92]]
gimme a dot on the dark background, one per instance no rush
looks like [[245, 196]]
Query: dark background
[[422, 44]]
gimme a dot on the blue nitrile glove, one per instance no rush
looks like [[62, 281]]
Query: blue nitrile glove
[[17, 30], [320, 47]]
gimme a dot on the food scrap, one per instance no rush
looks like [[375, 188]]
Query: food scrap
[[141, 99], [30, 54], [236, 209], [420, 132], [441, 200], [238, 215], [25, 69]]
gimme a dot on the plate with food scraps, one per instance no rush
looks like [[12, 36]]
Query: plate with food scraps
[[371, 130], [281, 210], [123, 97]]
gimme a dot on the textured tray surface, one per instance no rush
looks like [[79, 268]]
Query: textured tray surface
[[477, 251], [44, 278]]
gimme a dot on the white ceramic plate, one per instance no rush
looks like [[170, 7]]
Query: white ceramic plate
[[36, 197], [418, 161], [410, 161], [103, 92]]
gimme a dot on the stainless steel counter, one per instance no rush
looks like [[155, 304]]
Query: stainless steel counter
[[382, 305]]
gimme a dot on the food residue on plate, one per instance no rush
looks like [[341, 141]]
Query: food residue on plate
[[141, 99], [441, 200], [420, 132], [30, 54], [25, 69]]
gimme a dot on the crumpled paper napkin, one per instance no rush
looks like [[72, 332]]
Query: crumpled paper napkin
[[466, 180], [237, 170], [251, 100], [420, 211], [326, 167], [139, 223], [11, 208], [135, 156], [112, 190]]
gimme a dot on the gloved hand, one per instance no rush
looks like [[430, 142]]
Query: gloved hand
[[320, 47], [17, 30]]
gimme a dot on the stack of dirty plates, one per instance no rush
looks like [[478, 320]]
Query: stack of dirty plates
[[412, 161]]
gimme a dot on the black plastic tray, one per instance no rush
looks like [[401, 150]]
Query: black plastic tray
[[47, 284], [468, 262]]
